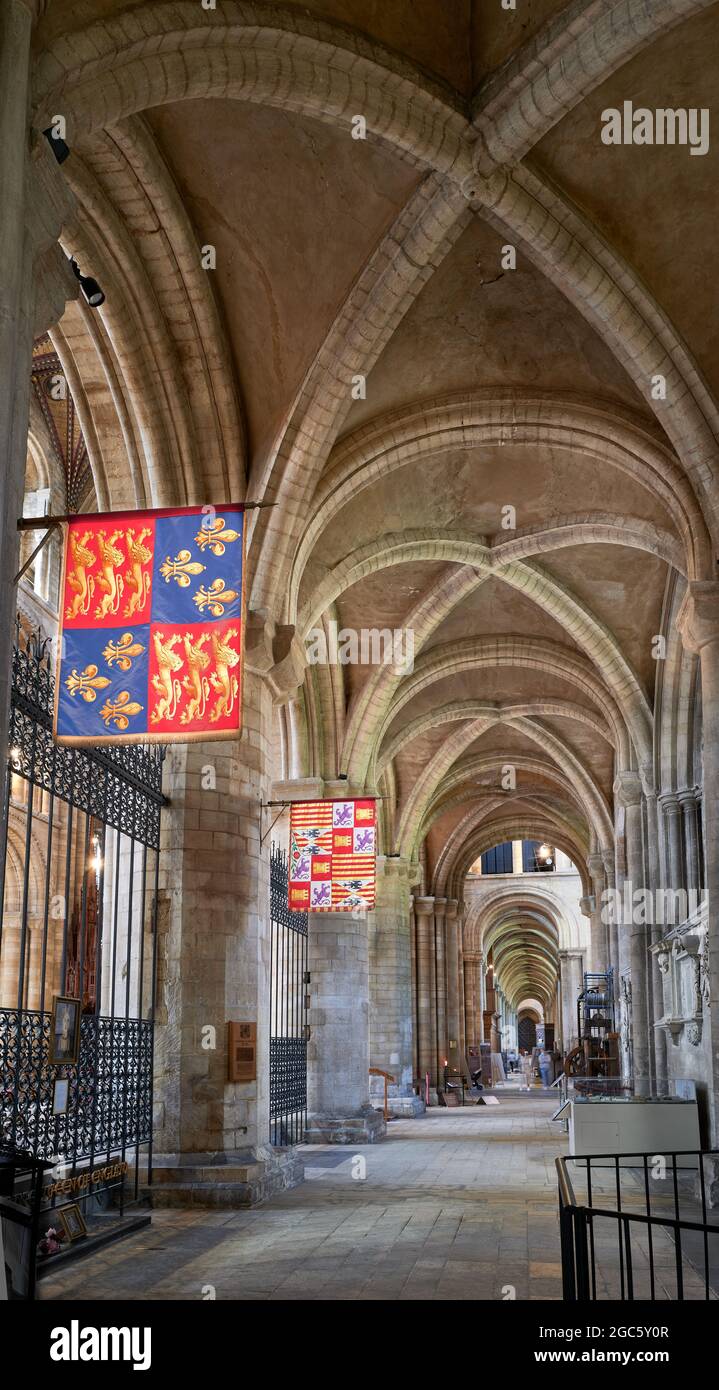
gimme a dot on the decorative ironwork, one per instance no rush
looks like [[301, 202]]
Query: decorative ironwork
[[289, 1030], [78, 898], [119, 783], [109, 1090]]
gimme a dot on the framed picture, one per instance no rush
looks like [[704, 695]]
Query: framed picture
[[64, 1030], [60, 1092], [73, 1222]]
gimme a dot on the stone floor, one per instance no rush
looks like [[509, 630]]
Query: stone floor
[[457, 1204]]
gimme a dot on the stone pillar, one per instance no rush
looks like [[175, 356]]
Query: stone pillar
[[628, 789], [462, 1039], [453, 978], [698, 623], [424, 915], [672, 813], [338, 1061], [609, 860], [390, 988], [482, 985], [471, 994], [657, 1036], [440, 991], [35, 282], [570, 974], [212, 1135], [600, 944], [688, 803]]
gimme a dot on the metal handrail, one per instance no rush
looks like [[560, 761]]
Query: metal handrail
[[576, 1224]]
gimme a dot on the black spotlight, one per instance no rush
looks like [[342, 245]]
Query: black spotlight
[[89, 287], [58, 146]]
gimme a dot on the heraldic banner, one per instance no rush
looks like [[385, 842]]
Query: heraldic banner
[[332, 856], [150, 647]]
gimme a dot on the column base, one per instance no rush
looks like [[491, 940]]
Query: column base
[[407, 1106], [240, 1179], [363, 1126]]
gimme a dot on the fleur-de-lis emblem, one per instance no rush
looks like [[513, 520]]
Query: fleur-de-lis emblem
[[123, 651], [216, 536], [181, 568], [120, 711], [87, 684], [216, 598]]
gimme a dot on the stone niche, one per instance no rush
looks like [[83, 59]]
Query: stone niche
[[683, 962]]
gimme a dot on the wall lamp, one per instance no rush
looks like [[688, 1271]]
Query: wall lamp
[[89, 287]]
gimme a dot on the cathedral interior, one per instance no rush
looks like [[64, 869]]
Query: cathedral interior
[[426, 286]]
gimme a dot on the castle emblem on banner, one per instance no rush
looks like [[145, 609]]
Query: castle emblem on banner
[[150, 647]]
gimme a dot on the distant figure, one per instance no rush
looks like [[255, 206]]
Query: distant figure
[[546, 1067], [513, 1059], [527, 1068]]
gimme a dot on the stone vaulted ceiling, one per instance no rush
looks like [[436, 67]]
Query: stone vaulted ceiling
[[487, 387]]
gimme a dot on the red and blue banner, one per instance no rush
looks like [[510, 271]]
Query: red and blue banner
[[151, 627], [332, 860]]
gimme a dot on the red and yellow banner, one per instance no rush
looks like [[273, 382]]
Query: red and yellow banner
[[332, 865], [151, 631]]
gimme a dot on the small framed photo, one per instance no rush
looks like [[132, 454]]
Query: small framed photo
[[64, 1030], [73, 1222], [60, 1093]]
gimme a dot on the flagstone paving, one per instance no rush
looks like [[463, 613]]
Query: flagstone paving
[[458, 1204]]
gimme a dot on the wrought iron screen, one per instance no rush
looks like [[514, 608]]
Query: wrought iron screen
[[78, 872], [289, 986]]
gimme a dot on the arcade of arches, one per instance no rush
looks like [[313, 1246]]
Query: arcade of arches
[[372, 264]]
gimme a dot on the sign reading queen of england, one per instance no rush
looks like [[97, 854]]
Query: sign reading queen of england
[[151, 613], [332, 856]]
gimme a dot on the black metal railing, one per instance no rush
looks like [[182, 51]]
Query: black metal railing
[[289, 993], [79, 876], [626, 1236]]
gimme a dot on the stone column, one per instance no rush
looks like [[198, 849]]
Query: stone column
[[212, 1135], [688, 803], [390, 987], [462, 1039], [440, 990], [698, 623], [672, 813], [570, 974], [628, 789], [600, 944], [657, 1036], [338, 1103], [453, 978], [424, 915], [471, 996], [609, 860], [35, 282]]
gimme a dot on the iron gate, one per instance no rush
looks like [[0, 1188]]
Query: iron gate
[[289, 1029], [78, 922]]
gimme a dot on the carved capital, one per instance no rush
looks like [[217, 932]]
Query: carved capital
[[274, 651], [595, 865], [628, 788], [698, 617], [424, 907]]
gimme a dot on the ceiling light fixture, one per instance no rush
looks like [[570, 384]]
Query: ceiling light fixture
[[89, 287]]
